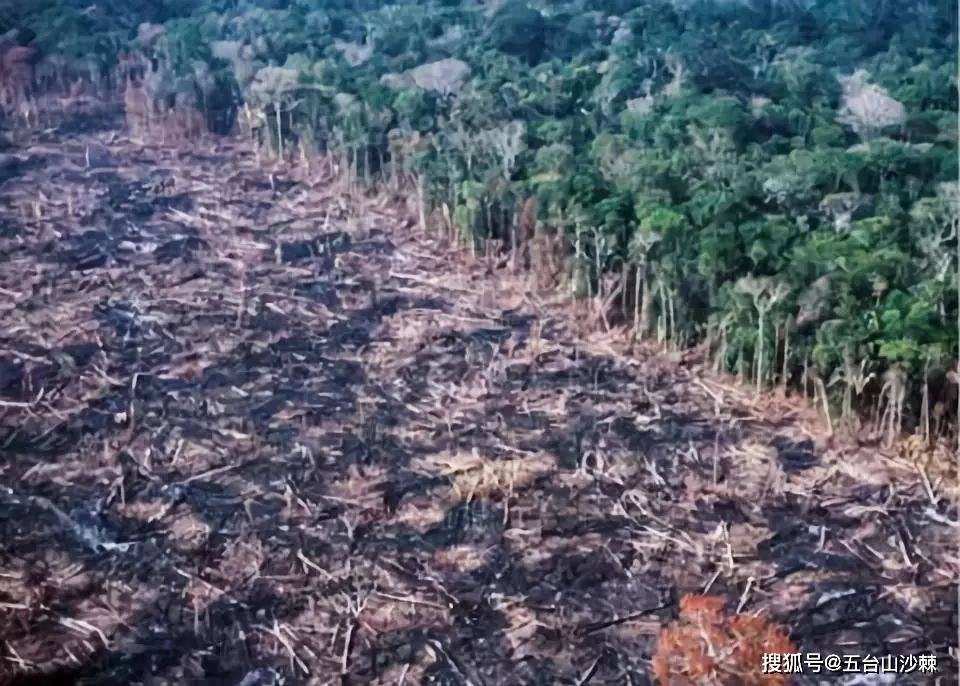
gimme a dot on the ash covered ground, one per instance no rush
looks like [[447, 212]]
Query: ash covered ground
[[256, 429]]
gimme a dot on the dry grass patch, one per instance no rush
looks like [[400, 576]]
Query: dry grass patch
[[144, 510], [521, 629], [475, 477], [404, 674], [241, 560], [200, 457], [360, 489], [386, 613], [188, 532], [423, 514], [935, 464], [461, 558], [201, 594]]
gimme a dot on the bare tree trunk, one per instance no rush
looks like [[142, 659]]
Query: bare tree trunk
[[925, 403], [671, 299], [513, 245], [488, 220], [759, 349], [276, 107], [720, 362], [447, 223], [776, 349], [636, 302], [662, 323], [624, 292], [821, 390], [597, 246], [576, 265], [352, 169], [646, 307], [786, 355], [420, 208]]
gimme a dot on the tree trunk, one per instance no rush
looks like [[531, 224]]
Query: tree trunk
[[636, 302], [925, 403], [786, 355], [488, 220], [646, 307], [624, 290], [576, 264], [662, 322], [276, 107], [720, 363], [353, 177], [776, 349], [820, 389], [671, 299], [761, 314], [513, 245], [598, 243], [420, 208]]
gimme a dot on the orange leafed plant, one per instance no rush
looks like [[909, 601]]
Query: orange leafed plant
[[707, 646]]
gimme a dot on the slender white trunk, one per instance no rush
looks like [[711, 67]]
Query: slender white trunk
[[276, 107], [821, 390], [636, 302], [662, 319], [420, 206], [673, 318], [598, 246], [646, 305], [759, 350]]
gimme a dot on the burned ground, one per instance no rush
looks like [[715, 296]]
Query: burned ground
[[254, 429]]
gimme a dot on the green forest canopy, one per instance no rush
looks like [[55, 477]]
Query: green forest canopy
[[777, 178]]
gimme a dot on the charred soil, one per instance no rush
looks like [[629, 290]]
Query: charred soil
[[256, 430]]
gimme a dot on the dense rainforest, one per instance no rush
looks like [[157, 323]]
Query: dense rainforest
[[773, 180]]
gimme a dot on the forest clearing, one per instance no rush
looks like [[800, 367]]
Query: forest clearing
[[258, 428]]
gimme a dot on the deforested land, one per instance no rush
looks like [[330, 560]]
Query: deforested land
[[477, 343]]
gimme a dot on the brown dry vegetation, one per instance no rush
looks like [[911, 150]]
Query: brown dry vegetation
[[708, 646], [252, 425]]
